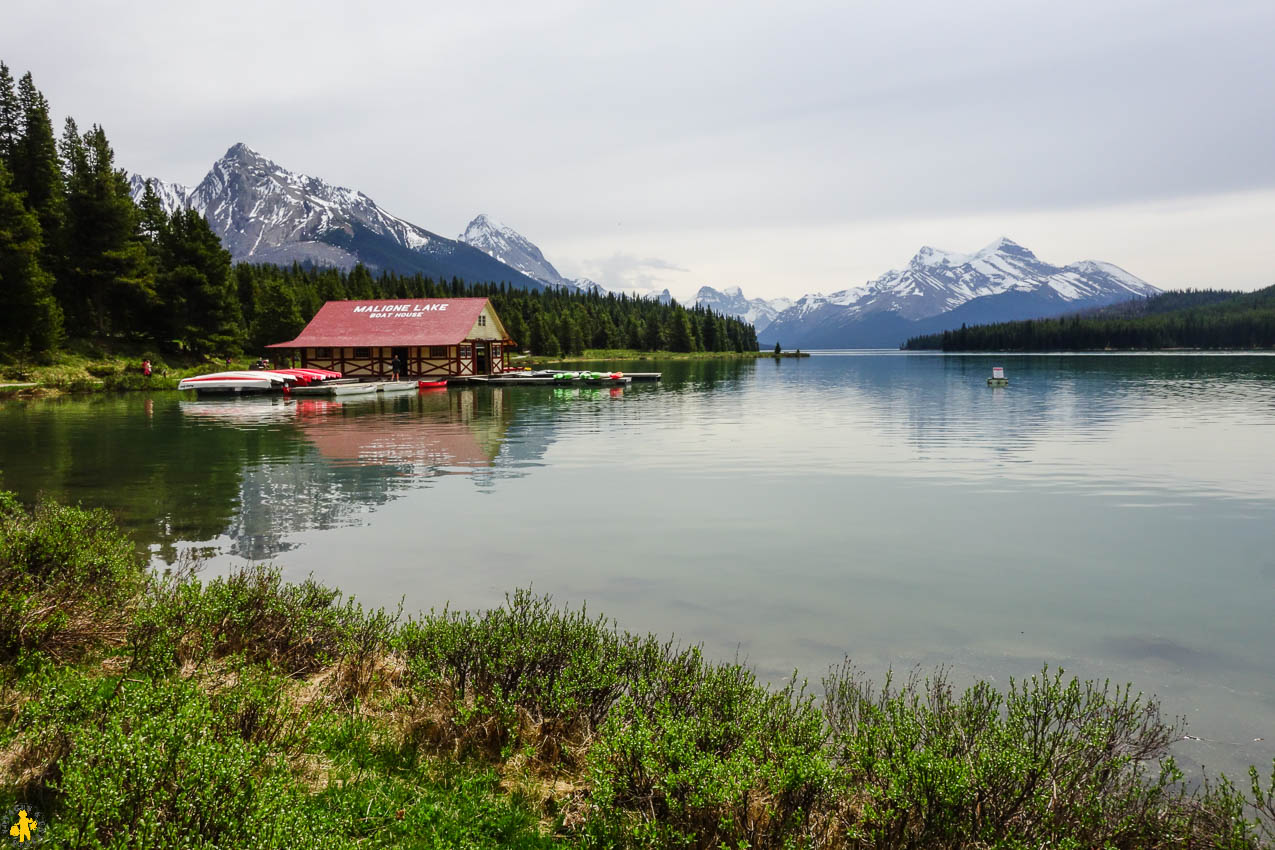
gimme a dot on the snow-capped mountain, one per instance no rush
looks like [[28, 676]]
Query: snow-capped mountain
[[510, 247], [942, 289], [266, 214], [731, 302]]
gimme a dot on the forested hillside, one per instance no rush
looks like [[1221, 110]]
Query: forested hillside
[[80, 260], [1189, 319]]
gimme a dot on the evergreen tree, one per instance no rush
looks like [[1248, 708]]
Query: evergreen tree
[[196, 292], [654, 339], [543, 341], [516, 327], [30, 320], [680, 334], [152, 219], [277, 316], [109, 283], [37, 172], [10, 118]]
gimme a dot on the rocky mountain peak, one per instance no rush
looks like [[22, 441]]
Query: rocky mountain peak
[[1007, 246], [265, 213], [510, 247]]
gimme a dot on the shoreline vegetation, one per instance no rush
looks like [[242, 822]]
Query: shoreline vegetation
[[89, 369], [1190, 320], [162, 710]]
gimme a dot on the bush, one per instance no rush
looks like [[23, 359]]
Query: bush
[[68, 578], [523, 674], [296, 629], [162, 764], [1050, 763], [730, 764]]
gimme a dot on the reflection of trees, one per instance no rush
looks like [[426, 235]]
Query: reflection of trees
[[135, 456]]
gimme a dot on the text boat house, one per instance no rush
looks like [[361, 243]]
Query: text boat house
[[436, 337]]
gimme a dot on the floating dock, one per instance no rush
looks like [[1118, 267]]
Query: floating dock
[[553, 378]]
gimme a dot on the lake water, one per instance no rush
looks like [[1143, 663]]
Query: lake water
[[1111, 514]]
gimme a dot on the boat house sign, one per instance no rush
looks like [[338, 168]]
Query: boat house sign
[[402, 311]]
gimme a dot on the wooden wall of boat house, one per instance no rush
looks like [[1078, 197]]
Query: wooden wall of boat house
[[419, 362], [378, 362]]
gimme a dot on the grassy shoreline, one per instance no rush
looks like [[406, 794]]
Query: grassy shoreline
[[166, 711]]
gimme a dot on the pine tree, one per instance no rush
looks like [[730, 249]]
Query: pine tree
[[195, 288], [681, 337], [277, 316], [10, 118], [31, 320], [152, 219], [109, 284], [654, 340], [37, 172]]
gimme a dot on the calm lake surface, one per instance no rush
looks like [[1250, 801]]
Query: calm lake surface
[[1111, 514]]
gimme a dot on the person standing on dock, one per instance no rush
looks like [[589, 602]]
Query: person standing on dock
[[396, 363]]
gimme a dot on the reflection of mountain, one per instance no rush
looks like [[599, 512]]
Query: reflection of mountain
[[920, 409]]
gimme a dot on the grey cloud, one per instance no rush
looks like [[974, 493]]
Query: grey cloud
[[678, 117]]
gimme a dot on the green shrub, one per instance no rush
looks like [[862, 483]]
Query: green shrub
[[727, 763], [295, 628], [525, 667], [161, 764], [1051, 763], [68, 578]]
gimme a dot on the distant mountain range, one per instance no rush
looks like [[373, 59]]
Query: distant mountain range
[[731, 302], [264, 213], [940, 290]]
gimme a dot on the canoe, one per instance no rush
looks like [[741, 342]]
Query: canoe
[[396, 386], [237, 382], [432, 385], [352, 389]]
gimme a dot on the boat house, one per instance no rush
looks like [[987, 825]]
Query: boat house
[[436, 337]]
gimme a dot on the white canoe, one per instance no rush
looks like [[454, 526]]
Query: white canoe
[[397, 386], [238, 381], [352, 389]]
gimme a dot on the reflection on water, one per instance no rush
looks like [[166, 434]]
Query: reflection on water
[[1110, 514]]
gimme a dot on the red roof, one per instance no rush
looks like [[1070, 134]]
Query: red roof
[[417, 321]]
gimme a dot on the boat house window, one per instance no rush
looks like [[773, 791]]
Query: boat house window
[[482, 321], [438, 352], [466, 351], [323, 353], [495, 350], [362, 353]]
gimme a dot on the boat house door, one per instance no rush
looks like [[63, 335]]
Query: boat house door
[[401, 354], [480, 359]]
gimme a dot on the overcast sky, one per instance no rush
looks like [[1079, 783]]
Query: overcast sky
[[782, 147]]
